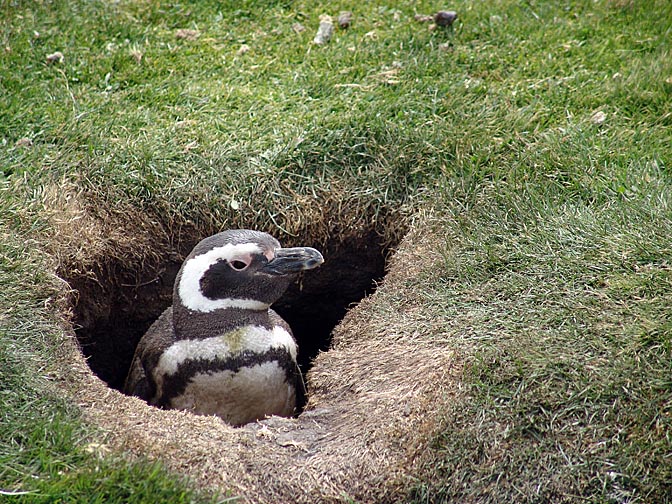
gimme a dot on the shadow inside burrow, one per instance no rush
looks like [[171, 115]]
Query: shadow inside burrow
[[116, 302]]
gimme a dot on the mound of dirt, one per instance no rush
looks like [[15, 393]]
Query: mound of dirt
[[373, 400]]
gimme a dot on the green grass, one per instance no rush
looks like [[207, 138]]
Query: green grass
[[556, 265], [561, 312]]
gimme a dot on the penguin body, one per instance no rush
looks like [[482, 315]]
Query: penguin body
[[220, 349]]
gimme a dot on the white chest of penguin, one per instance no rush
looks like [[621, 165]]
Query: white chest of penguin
[[240, 376]]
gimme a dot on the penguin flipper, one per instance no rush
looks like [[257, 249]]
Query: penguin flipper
[[136, 381], [159, 336], [297, 379], [301, 393]]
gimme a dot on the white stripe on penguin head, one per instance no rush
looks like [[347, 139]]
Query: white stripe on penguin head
[[193, 270]]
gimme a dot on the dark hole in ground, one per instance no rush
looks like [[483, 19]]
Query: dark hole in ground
[[117, 303]]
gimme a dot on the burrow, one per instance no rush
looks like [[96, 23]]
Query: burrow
[[116, 301]]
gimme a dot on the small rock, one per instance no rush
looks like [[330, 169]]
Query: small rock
[[344, 20], [186, 34], [423, 18], [244, 48], [598, 117], [325, 31], [445, 18], [54, 58], [24, 142]]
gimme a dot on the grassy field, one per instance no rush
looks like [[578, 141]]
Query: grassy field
[[537, 135]]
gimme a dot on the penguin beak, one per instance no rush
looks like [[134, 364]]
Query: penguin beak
[[288, 261]]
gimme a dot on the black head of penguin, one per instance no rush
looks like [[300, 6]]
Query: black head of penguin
[[239, 269]]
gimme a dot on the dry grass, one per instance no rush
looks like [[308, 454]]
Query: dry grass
[[80, 239]]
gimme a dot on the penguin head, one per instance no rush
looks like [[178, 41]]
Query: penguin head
[[240, 269]]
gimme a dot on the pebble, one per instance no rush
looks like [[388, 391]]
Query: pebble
[[56, 57], [344, 20], [445, 18], [325, 31]]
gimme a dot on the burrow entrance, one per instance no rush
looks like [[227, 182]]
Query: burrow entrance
[[117, 302]]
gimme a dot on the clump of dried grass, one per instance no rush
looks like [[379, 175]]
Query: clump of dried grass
[[80, 239]]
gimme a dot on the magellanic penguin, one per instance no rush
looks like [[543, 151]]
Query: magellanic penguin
[[220, 349]]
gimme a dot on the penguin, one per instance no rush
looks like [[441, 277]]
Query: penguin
[[220, 349]]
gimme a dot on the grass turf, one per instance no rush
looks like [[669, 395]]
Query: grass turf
[[539, 131], [561, 313]]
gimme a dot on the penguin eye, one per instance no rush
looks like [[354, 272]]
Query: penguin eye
[[238, 265]]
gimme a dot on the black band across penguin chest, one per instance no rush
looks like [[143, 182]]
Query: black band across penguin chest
[[174, 385], [241, 375]]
